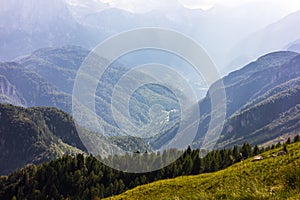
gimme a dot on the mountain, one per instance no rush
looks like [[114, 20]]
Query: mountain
[[9, 94], [38, 134], [38, 24], [46, 78], [203, 26], [81, 8], [58, 66], [33, 14], [274, 37], [276, 116], [257, 97], [87, 23], [295, 46], [275, 74], [30, 89], [270, 178], [35, 135]]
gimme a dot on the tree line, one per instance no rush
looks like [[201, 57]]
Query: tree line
[[85, 177]]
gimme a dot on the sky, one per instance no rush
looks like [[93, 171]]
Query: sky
[[292, 5], [146, 5]]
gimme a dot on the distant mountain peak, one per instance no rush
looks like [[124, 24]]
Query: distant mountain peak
[[278, 54], [276, 58], [32, 14]]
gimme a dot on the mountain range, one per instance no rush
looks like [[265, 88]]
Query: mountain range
[[262, 99], [86, 24], [274, 37], [258, 96], [30, 89], [295, 46], [68, 133]]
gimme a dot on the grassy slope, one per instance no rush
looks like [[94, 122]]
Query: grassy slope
[[266, 179]]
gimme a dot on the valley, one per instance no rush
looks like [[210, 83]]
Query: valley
[[171, 99]]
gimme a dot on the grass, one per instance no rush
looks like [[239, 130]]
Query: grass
[[271, 178]]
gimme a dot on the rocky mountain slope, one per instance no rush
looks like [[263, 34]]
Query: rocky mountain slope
[[269, 84], [258, 96], [32, 89]]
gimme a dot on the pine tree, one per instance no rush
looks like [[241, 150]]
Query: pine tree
[[196, 165], [255, 150], [246, 150], [288, 141], [53, 192], [285, 148], [86, 194], [80, 161], [121, 186], [297, 138], [188, 165], [278, 145], [236, 153]]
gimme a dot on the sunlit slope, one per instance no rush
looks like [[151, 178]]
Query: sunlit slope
[[271, 178]]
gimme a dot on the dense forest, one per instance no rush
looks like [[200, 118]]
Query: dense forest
[[85, 177]]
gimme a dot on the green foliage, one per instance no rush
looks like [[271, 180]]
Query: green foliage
[[84, 177], [285, 148], [271, 178], [297, 138], [35, 135], [256, 150], [130, 143], [293, 178]]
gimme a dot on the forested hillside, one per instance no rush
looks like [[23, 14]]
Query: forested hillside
[[84, 177], [274, 177], [35, 135]]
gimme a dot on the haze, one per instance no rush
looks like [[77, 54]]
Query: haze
[[147, 5]]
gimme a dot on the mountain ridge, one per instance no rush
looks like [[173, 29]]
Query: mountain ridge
[[249, 83], [267, 75], [35, 135]]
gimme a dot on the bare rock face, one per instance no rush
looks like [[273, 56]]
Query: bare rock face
[[9, 93]]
